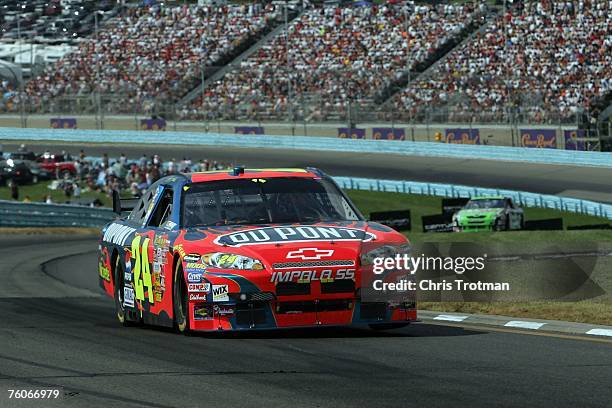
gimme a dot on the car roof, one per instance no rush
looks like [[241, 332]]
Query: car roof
[[232, 174]]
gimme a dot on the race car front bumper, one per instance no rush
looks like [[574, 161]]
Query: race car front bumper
[[275, 313]]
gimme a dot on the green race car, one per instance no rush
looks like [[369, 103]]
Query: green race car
[[489, 214]]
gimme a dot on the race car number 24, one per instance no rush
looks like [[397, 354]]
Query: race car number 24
[[142, 270]]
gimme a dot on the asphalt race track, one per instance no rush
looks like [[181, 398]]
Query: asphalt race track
[[56, 330], [589, 183]]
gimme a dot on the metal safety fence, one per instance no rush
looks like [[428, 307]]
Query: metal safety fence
[[16, 214]]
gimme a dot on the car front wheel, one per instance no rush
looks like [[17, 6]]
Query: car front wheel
[[502, 223], [179, 300]]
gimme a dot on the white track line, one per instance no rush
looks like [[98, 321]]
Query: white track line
[[600, 332], [451, 318], [524, 325]]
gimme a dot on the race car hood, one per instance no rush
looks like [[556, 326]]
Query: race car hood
[[490, 212], [275, 244]]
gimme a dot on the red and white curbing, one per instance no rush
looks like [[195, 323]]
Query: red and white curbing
[[527, 324]]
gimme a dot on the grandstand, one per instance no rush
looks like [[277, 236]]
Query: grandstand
[[150, 53], [505, 62], [547, 60], [333, 56]]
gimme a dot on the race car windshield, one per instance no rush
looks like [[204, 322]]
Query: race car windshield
[[476, 204], [262, 201]]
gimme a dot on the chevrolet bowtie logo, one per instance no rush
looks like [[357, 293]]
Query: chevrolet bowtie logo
[[310, 254]]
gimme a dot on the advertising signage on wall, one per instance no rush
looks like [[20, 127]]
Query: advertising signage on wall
[[351, 133], [63, 123], [153, 124], [539, 138], [573, 139], [462, 136], [387, 133], [249, 130]]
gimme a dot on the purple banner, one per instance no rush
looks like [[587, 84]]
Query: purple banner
[[386, 133], [348, 133], [539, 138], [153, 124], [63, 123], [463, 136], [249, 130], [572, 142]]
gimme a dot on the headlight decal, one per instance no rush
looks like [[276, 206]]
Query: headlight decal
[[385, 251], [222, 260]]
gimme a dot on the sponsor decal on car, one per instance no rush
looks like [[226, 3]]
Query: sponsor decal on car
[[197, 297], [179, 248], [169, 225], [220, 293], [198, 287], [310, 254], [160, 255], [224, 310], [127, 277], [117, 234], [191, 258], [202, 312], [325, 275], [194, 277], [128, 296], [193, 265], [269, 235], [104, 271], [161, 241], [159, 286]]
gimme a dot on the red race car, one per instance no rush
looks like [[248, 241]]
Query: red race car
[[249, 249]]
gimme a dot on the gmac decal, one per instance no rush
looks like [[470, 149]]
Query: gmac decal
[[271, 235]]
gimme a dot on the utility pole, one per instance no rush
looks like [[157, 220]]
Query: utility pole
[[407, 49], [203, 75], [21, 87], [288, 66], [97, 95]]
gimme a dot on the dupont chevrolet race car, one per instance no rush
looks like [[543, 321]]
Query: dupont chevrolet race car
[[489, 213], [247, 249]]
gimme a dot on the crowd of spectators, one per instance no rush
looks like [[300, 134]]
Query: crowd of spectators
[[8, 96], [333, 55], [105, 174], [149, 54], [52, 20], [543, 60]]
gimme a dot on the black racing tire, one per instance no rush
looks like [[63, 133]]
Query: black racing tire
[[387, 326], [118, 296], [501, 224], [180, 303]]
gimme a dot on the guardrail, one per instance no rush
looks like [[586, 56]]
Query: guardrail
[[409, 148], [16, 214], [450, 191]]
